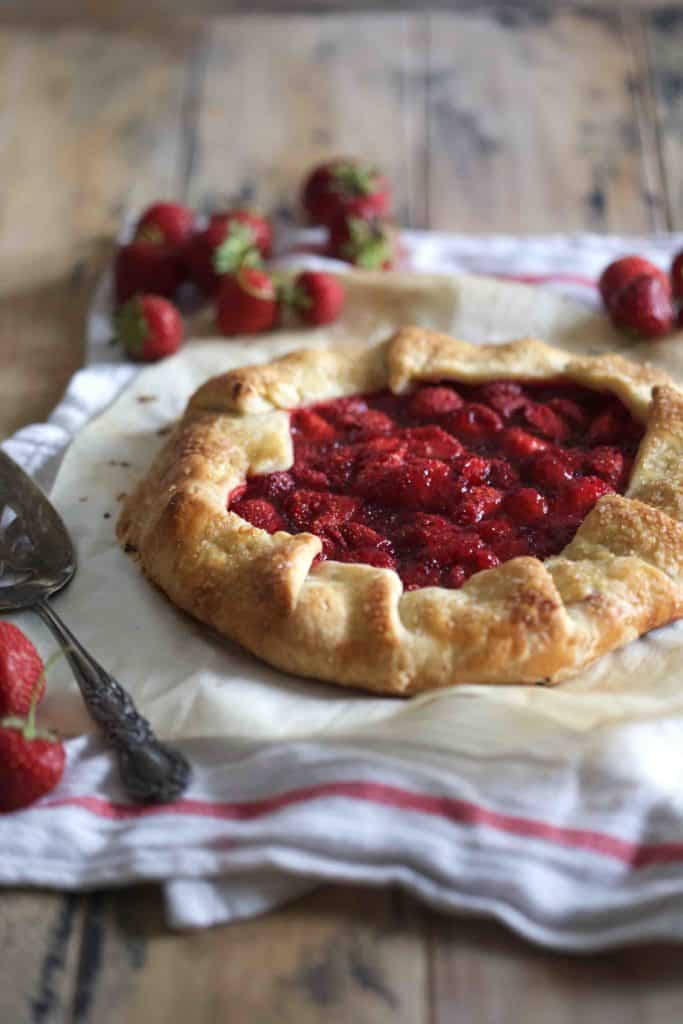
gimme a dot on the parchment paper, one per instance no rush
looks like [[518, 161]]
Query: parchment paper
[[191, 683]]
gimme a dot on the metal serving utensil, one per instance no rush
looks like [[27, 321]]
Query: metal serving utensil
[[37, 559]]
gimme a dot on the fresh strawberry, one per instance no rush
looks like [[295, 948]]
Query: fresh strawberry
[[643, 307], [677, 277], [344, 186], [143, 266], [31, 760], [618, 273], [20, 669], [368, 243], [247, 302], [31, 763], [149, 328], [317, 297], [165, 223], [232, 239]]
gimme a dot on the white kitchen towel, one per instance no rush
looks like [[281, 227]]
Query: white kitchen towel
[[579, 852]]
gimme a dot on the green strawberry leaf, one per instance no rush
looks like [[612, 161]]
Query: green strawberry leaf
[[132, 327], [360, 181], [238, 250]]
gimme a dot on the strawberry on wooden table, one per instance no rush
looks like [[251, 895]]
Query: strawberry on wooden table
[[317, 297], [247, 302], [167, 223], [144, 266], [232, 239], [371, 244], [149, 327], [344, 186], [20, 669]]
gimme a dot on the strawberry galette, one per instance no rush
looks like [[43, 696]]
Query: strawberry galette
[[424, 512]]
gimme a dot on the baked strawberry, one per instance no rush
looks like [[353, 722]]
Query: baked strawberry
[[143, 266], [431, 442], [473, 469], [317, 297], [526, 506], [259, 513], [545, 421], [522, 445], [551, 470], [643, 307], [607, 463], [31, 760], [312, 425], [505, 396], [371, 244], [476, 504], [232, 239], [578, 496], [20, 669], [475, 422], [432, 401], [484, 559], [618, 273], [344, 186], [247, 302], [149, 327], [165, 223]]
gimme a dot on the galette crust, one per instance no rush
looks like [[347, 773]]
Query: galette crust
[[524, 621]]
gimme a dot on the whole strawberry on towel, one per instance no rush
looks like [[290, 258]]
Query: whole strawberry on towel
[[149, 327], [165, 223], [31, 760], [232, 239], [247, 302], [316, 297], [345, 186]]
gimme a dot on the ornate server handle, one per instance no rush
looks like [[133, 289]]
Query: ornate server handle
[[150, 771]]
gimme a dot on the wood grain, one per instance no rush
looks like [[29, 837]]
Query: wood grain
[[664, 42], [484, 975], [277, 95], [341, 955], [534, 124], [39, 938], [91, 125]]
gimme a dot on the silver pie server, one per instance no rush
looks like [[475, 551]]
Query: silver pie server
[[37, 559]]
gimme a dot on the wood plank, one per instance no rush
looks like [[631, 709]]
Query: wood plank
[[482, 974], [533, 120], [339, 955], [46, 8], [664, 40], [39, 938], [280, 94], [76, 150]]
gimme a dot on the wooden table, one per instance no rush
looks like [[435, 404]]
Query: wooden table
[[490, 119]]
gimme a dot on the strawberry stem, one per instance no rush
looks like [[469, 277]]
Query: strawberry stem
[[30, 727]]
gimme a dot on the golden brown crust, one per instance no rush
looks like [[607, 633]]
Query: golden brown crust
[[524, 621]]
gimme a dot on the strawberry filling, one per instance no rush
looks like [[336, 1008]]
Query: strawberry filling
[[448, 480]]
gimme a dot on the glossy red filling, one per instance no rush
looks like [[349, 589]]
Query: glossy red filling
[[449, 479]]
